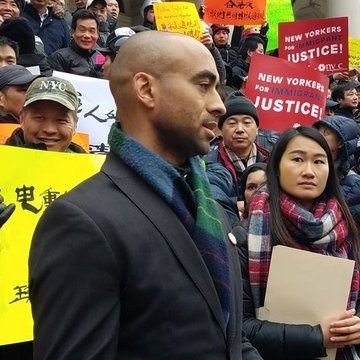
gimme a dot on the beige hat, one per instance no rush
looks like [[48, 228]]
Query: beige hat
[[53, 89]]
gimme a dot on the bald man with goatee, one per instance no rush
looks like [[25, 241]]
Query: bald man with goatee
[[140, 265]]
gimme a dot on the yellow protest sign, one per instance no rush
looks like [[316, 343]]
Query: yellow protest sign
[[31, 179], [354, 52], [179, 17]]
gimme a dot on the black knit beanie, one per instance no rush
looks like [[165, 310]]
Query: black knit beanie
[[18, 30], [237, 104]]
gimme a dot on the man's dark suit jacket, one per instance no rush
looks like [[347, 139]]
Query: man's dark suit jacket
[[115, 275]]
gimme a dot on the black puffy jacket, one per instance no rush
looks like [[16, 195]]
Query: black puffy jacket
[[275, 341], [75, 60], [17, 139], [40, 60]]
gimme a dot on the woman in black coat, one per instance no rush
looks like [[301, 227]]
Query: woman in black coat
[[302, 207]]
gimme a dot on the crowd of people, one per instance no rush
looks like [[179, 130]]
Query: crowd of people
[[165, 253]]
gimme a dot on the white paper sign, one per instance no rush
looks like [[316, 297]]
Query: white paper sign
[[97, 110], [35, 70]]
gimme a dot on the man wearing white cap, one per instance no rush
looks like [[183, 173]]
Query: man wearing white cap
[[147, 12], [99, 9], [115, 40]]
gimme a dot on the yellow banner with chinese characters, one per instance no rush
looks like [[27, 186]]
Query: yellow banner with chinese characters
[[32, 180], [354, 53], [179, 17]]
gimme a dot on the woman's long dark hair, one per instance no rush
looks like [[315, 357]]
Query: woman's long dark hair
[[279, 232]]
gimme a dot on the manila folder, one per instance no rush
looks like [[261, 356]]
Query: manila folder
[[305, 287]]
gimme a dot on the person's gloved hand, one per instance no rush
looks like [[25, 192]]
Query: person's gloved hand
[[264, 28], [5, 211]]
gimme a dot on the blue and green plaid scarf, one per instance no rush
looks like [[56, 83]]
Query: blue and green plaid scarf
[[190, 199]]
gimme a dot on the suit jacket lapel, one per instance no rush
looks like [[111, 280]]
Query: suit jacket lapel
[[236, 295], [169, 225]]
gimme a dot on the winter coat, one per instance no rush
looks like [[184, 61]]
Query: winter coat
[[112, 23], [17, 139], [8, 119], [104, 32], [222, 186], [345, 111], [229, 57], [267, 138], [348, 132], [218, 154], [149, 25], [220, 66], [35, 60], [75, 60], [53, 32], [275, 341], [228, 54]]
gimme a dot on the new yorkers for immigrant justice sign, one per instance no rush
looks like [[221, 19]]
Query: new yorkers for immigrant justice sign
[[284, 93], [323, 43]]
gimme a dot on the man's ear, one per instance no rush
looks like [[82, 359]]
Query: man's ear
[[21, 117], [144, 88], [1, 100]]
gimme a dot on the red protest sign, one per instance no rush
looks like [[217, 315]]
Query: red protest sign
[[285, 93], [235, 12], [323, 43]]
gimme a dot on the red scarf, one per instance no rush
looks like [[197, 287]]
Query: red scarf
[[322, 230]]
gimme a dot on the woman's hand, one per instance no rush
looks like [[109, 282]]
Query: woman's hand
[[346, 331], [342, 330]]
